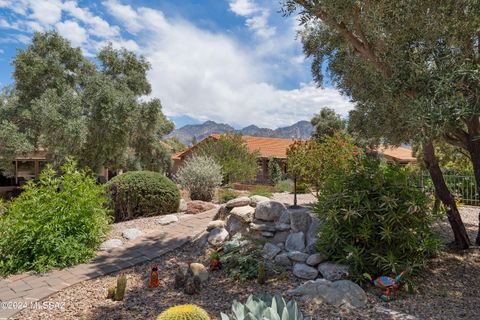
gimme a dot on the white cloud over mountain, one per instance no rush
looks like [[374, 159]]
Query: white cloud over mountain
[[196, 72]]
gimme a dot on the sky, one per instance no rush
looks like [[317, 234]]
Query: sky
[[232, 61]]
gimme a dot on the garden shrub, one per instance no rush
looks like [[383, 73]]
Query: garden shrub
[[261, 191], [375, 219], [284, 186], [141, 194], [274, 170], [200, 175], [225, 195], [58, 221]]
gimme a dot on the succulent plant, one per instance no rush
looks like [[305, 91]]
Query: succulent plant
[[265, 307], [121, 286], [184, 312], [262, 273]]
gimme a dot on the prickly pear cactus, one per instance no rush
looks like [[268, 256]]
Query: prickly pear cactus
[[184, 312], [121, 286]]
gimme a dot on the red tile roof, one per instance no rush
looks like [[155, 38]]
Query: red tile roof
[[398, 154]]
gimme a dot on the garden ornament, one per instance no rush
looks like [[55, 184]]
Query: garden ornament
[[386, 283], [215, 263], [154, 280]]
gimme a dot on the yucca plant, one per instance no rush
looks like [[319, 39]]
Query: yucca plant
[[265, 307]]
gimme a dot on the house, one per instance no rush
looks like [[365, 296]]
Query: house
[[266, 147], [277, 148]]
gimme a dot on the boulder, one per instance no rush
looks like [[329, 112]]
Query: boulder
[[131, 233], [236, 225], [183, 206], [216, 224], [110, 244], [284, 218], [295, 242], [197, 206], [267, 234], [269, 227], [244, 213], [238, 202], [302, 271], [222, 213], [217, 236], [199, 270], [280, 236], [270, 210], [311, 236], [339, 293], [282, 260], [333, 271], [282, 227], [316, 258], [254, 200], [270, 250], [298, 256], [167, 219], [300, 219]]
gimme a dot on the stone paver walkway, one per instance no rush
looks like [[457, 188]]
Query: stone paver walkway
[[25, 290]]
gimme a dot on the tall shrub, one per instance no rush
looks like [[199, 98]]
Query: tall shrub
[[57, 222], [200, 176], [141, 194], [274, 170], [375, 219], [237, 163]]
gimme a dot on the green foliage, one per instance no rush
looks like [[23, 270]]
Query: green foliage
[[200, 175], [141, 194], [261, 191], [262, 273], [57, 222], [3, 207], [231, 153], [121, 287], [265, 307], [375, 219], [242, 259], [284, 186], [184, 312], [274, 170], [226, 194], [70, 106], [326, 123]]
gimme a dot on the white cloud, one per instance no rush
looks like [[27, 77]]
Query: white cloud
[[207, 75], [46, 12], [243, 7], [256, 17], [97, 26], [124, 13], [72, 31]]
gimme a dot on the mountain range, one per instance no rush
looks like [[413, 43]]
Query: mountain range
[[186, 134]]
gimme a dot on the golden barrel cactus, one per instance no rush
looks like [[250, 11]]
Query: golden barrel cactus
[[184, 312]]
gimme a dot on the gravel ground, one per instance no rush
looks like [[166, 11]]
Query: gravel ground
[[287, 198], [448, 290]]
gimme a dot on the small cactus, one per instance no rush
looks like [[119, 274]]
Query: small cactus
[[111, 292], [121, 286], [262, 273], [184, 312]]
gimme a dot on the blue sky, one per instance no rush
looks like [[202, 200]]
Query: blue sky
[[232, 61]]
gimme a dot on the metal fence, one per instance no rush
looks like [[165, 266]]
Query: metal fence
[[463, 187]]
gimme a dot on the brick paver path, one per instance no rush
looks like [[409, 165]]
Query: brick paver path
[[22, 291]]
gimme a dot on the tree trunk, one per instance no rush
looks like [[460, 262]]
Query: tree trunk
[[473, 147], [441, 189]]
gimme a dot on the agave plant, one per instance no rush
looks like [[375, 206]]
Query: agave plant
[[265, 307]]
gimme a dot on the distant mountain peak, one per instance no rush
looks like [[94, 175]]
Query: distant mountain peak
[[300, 130]]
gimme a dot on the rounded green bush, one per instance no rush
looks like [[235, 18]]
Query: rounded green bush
[[141, 194]]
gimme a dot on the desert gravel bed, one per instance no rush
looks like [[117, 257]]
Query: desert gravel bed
[[447, 291]]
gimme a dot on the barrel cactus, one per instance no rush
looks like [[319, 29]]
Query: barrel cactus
[[265, 307], [184, 312]]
